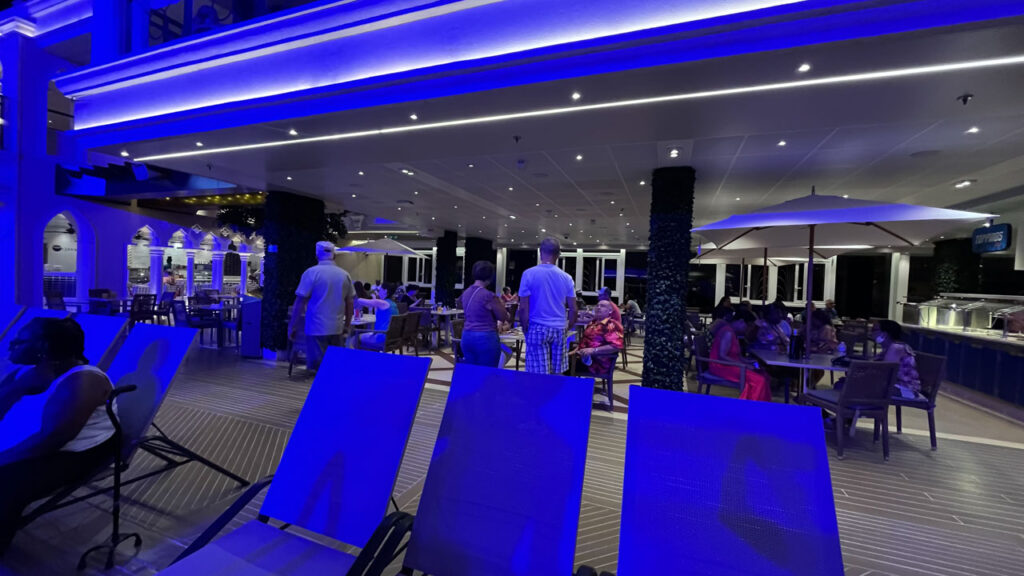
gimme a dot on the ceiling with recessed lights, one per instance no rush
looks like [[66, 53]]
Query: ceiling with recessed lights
[[585, 175]]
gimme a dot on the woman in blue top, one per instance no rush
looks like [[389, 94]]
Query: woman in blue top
[[384, 307]]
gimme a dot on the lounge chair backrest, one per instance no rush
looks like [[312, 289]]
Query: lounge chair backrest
[[502, 494], [103, 336], [751, 497], [149, 358], [931, 369], [868, 383], [9, 314], [341, 462], [411, 327]]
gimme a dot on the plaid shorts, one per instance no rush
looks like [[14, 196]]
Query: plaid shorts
[[545, 350]]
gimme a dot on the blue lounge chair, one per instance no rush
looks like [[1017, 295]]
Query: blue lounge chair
[[335, 478], [725, 487], [502, 494]]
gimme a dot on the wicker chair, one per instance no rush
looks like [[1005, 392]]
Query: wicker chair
[[932, 371], [393, 337], [867, 393]]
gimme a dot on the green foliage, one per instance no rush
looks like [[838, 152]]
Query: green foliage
[[668, 266]]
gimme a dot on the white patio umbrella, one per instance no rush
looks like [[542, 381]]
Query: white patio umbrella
[[383, 246], [834, 222]]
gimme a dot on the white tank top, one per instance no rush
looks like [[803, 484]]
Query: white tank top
[[25, 418]]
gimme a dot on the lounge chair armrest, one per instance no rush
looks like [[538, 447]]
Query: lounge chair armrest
[[224, 519]]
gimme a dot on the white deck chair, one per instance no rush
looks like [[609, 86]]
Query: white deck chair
[[335, 478], [502, 494], [726, 487]]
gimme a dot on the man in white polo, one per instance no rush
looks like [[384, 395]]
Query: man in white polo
[[326, 295], [545, 293]]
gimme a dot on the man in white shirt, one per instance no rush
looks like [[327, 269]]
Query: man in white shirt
[[545, 292], [326, 295]]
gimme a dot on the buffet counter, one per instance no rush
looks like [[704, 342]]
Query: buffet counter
[[981, 360]]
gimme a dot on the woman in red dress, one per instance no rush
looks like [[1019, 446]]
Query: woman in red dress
[[726, 346]]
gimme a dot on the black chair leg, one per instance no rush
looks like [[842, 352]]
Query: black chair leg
[[885, 437], [899, 419], [931, 429], [608, 392], [878, 425]]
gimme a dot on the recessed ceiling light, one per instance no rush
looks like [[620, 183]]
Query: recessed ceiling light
[[556, 215], [537, 204], [512, 216], [413, 117], [167, 198], [941, 237], [621, 214], [570, 223], [411, 173], [543, 229], [361, 173], [846, 195], [973, 130], [399, 208], [124, 153], [293, 132], [805, 67], [353, 195], [433, 218], [963, 184], [579, 157], [484, 217], [456, 206], [510, 188], [673, 153], [573, 243], [470, 166], [627, 223], [576, 95], [199, 144], [643, 183], [416, 192], [288, 178], [738, 198], [479, 231], [781, 143]]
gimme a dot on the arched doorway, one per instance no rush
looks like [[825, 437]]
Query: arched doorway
[[60, 257], [138, 281]]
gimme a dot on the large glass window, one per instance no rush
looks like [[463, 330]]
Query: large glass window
[[610, 270]]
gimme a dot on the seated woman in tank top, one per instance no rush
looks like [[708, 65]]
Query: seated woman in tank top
[[54, 429]]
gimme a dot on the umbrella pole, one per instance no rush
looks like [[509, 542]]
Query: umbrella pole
[[809, 291], [764, 278]]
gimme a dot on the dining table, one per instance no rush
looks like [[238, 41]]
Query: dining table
[[513, 340], [444, 319], [805, 365]]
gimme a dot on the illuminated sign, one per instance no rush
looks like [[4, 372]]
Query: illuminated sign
[[991, 239]]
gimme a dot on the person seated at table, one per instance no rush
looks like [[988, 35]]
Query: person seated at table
[[411, 296], [631, 308], [602, 339], [54, 428], [773, 332], [823, 335], [508, 296], [384, 307], [605, 295], [484, 312], [889, 337], [726, 346], [830, 309]]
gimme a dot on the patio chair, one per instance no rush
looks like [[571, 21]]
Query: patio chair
[[393, 337], [866, 393], [143, 308], [163, 309], [427, 326], [606, 377], [457, 326], [102, 307], [335, 478], [754, 496], [185, 320], [103, 336], [411, 331], [55, 301], [703, 361], [932, 371], [146, 364], [503, 489]]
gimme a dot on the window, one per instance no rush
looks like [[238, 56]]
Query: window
[[610, 278]]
